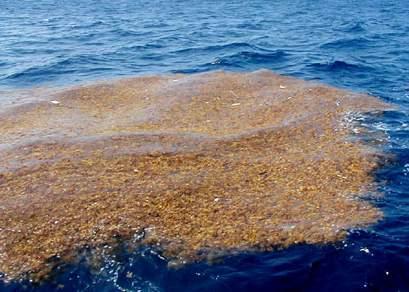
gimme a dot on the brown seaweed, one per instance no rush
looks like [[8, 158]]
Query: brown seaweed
[[197, 164]]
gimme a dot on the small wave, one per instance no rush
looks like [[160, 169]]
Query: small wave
[[36, 73], [354, 27], [51, 70], [349, 44], [139, 47], [221, 48], [250, 26], [88, 25], [248, 57], [128, 32], [338, 66], [240, 61]]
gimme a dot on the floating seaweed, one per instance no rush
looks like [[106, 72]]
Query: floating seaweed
[[195, 165]]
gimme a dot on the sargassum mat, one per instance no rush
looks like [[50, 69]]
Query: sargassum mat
[[192, 164]]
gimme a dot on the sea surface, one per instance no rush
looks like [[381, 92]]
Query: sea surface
[[358, 45]]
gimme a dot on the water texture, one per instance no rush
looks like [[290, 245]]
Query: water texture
[[362, 46]]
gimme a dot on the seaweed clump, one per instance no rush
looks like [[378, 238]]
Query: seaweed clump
[[191, 164]]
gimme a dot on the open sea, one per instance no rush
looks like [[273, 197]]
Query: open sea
[[358, 45]]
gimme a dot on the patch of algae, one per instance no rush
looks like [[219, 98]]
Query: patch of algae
[[195, 163]]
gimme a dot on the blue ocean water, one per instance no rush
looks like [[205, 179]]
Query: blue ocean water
[[358, 45]]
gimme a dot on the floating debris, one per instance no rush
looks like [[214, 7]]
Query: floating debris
[[172, 165], [365, 250]]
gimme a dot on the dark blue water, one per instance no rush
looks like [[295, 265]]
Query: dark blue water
[[359, 45]]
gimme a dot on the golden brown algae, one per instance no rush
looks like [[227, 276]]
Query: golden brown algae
[[197, 164]]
